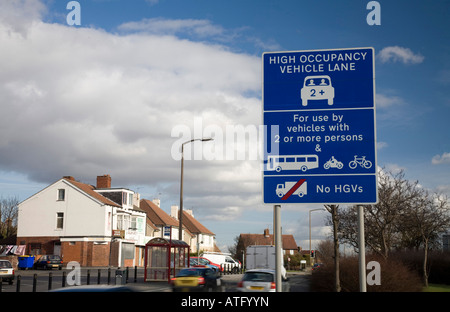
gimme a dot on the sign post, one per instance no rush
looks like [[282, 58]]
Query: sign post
[[322, 105]]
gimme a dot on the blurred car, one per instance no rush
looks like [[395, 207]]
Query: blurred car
[[316, 266], [260, 280], [196, 279], [96, 288], [6, 271], [194, 261], [49, 262]]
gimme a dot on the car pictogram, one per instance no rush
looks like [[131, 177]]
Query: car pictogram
[[317, 88]]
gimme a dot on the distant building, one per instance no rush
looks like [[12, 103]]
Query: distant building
[[200, 237], [289, 246], [158, 220]]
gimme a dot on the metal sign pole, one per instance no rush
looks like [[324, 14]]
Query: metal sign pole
[[362, 250], [277, 236]]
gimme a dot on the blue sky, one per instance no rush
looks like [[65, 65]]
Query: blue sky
[[104, 96]]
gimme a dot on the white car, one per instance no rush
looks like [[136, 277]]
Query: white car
[[317, 88], [6, 271], [260, 280], [223, 259]]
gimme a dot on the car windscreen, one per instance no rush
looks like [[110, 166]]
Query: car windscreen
[[5, 264], [189, 272], [258, 277]]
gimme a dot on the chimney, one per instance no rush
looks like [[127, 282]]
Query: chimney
[[174, 212], [69, 178], [104, 181], [157, 202], [266, 233]]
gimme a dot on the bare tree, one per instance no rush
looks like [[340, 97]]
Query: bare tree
[[326, 251], [333, 209], [406, 216], [422, 223], [8, 216], [381, 221]]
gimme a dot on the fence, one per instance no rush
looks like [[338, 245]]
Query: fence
[[96, 276], [118, 278]]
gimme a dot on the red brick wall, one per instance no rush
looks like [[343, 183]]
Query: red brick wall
[[86, 253], [47, 243]]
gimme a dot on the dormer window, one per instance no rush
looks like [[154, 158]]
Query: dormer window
[[61, 194]]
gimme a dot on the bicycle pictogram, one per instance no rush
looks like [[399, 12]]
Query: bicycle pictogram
[[362, 161]]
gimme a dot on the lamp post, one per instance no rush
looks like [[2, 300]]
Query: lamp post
[[180, 229], [310, 259]]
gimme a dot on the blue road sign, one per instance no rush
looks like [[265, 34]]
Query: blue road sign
[[320, 143]]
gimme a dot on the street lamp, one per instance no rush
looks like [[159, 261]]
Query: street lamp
[[180, 229], [320, 209]]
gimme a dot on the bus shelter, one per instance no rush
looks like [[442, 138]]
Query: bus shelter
[[164, 258]]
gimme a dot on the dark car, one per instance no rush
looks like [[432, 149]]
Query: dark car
[[96, 288], [49, 262], [196, 279]]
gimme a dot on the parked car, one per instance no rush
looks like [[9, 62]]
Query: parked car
[[49, 262], [6, 271], [204, 261], [260, 280], [223, 259], [196, 279]]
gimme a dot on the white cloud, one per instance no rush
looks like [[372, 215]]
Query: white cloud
[[444, 190], [441, 159], [387, 101], [381, 145], [198, 29], [399, 54], [84, 102], [19, 15]]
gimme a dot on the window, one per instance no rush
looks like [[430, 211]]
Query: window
[[130, 199], [59, 220], [123, 222], [35, 248], [133, 224], [124, 198], [61, 194]]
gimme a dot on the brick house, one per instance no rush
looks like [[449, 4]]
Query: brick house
[[289, 246], [200, 237], [95, 226], [193, 230], [157, 219]]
